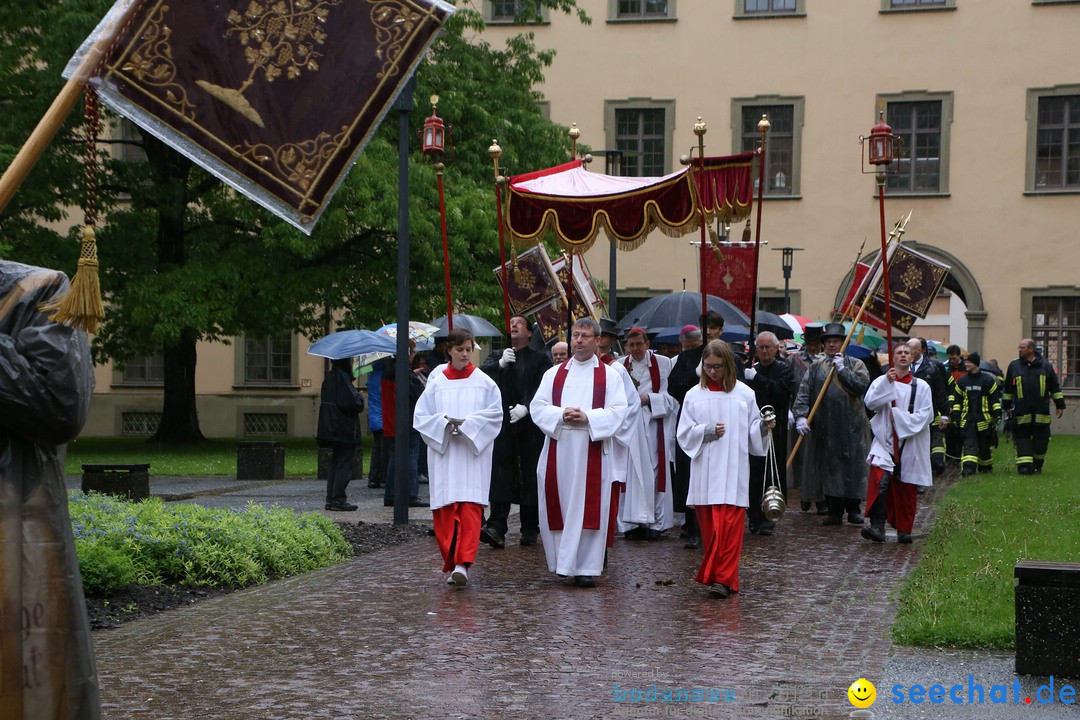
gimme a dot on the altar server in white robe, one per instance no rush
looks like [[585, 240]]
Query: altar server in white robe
[[903, 408], [459, 415], [631, 496], [650, 372], [719, 427], [580, 406]]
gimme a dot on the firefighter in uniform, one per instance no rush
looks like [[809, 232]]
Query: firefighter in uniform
[[937, 377], [1030, 384], [976, 411]]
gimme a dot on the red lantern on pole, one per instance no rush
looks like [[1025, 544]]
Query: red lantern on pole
[[881, 145], [433, 140], [880, 153]]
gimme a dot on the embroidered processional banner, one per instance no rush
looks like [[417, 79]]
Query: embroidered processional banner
[[275, 97]]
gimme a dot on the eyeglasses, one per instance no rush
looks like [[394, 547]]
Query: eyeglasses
[[582, 336], [714, 368]]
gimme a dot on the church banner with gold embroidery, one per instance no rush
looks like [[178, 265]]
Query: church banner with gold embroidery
[[275, 97]]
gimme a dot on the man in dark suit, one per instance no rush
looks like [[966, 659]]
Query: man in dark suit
[[517, 370]]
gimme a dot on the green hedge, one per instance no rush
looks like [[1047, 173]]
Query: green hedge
[[150, 543]]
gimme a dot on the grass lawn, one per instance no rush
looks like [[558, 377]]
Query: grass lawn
[[961, 594], [214, 457]]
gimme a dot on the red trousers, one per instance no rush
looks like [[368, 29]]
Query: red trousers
[[457, 530], [901, 499], [722, 536]]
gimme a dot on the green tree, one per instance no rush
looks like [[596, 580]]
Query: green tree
[[185, 259]]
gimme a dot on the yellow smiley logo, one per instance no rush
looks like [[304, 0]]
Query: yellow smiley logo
[[862, 693]]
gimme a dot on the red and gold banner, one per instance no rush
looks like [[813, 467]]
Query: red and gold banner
[[914, 282], [276, 98], [729, 274]]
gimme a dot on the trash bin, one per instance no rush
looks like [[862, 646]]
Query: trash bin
[[260, 461], [127, 481], [1047, 618]]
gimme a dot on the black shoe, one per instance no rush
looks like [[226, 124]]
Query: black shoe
[[639, 533], [417, 502], [968, 472], [388, 503], [341, 507], [833, 520], [719, 591], [874, 532], [805, 505], [855, 518], [528, 539], [653, 535], [922, 490], [903, 538], [766, 528], [822, 508], [754, 528], [585, 581], [694, 543], [374, 484], [492, 537]]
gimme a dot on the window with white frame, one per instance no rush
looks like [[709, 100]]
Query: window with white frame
[[783, 141], [1054, 139], [769, 8], [269, 360], [922, 122], [514, 11], [641, 9], [144, 370], [917, 4], [1055, 328], [642, 131]]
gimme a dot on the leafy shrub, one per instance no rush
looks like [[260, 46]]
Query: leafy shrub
[[151, 543]]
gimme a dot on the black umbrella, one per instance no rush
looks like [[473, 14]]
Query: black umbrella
[[478, 326], [775, 324], [680, 308]]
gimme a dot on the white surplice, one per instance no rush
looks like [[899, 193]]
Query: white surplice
[[630, 460], [574, 550], [720, 466], [459, 466], [912, 428], [662, 408]]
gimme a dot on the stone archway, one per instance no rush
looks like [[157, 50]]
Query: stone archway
[[960, 281]]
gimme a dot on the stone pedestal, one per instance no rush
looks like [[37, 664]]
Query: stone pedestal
[[127, 481], [260, 461], [1048, 618]]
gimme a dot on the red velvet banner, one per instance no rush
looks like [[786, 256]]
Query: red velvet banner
[[732, 277]]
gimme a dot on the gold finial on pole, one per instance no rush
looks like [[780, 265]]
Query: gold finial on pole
[[574, 134]]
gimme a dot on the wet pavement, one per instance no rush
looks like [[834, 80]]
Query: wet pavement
[[383, 636]]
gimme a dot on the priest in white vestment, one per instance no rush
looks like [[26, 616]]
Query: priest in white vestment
[[719, 427], [458, 416], [580, 406], [631, 498], [903, 409], [650, 372]]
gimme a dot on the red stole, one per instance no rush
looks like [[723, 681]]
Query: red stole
[[452, 374], [592, 467], [661, 451]]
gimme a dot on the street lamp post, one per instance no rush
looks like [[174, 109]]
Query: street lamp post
[[787, 261], [404, 105]]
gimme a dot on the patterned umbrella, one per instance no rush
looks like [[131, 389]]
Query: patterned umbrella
[[421, 332]]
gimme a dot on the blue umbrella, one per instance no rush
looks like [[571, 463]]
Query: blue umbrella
[[478, 326], [349, 343]]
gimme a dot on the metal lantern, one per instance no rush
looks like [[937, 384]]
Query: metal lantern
[[882, 148], [434, 136]]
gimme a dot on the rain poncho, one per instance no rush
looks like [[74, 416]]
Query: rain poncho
[[46, 380]]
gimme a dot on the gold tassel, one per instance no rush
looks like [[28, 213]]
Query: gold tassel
[[746, 231], [81, 307]]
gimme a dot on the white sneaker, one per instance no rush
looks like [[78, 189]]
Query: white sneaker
[[459, 577]]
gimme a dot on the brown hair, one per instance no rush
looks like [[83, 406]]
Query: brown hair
[[720, 349], [458, 337]]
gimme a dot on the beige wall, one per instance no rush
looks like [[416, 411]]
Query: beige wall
[[840, 56]]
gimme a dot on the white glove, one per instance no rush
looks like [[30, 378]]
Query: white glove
[[838, 361], [790, 417], [518, 411], [750, 373], [801, 426], [508, 356]]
